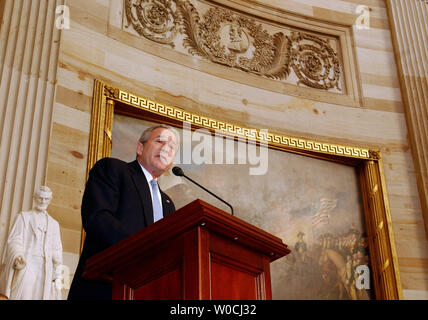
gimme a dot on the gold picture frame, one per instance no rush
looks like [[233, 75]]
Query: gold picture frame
[[108, 100]]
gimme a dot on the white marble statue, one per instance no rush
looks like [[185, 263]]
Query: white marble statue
[[32, 254]]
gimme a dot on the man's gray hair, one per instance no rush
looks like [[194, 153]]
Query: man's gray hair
[[146, 133]]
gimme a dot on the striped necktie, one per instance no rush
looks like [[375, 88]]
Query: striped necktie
[[157, 205]]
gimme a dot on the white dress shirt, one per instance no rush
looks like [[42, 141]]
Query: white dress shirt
[[149, 178]]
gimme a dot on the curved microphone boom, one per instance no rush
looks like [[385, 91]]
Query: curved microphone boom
[[180, 173]]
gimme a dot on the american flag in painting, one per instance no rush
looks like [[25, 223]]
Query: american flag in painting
[[322, 216]]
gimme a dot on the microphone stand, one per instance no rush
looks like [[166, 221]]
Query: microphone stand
[[208, 192]]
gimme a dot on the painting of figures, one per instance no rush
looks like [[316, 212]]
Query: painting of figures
[[314, 206]]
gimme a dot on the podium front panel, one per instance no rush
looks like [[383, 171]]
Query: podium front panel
[[166, 287], [196, 253], [236, 273]]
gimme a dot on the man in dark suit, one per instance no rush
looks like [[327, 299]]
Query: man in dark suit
[[122, 198]]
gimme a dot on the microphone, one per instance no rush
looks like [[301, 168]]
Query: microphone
[[180, 173]]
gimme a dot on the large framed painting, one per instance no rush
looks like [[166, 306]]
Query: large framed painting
[[326, 201]]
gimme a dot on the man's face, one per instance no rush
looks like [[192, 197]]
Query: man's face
[[42, 200], [157, 154]]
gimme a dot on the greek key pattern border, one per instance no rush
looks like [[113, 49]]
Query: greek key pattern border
[[242, 132]]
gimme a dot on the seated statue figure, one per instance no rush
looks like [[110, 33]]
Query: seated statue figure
[[32, 254]]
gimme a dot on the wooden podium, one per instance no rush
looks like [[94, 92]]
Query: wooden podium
[[198, 252]]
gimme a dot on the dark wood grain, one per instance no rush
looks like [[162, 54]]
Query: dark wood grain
[[198, 252]]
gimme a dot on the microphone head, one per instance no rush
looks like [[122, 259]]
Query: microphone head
[[178, 171]]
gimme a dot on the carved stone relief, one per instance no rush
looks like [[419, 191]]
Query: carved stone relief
[[238, 41]]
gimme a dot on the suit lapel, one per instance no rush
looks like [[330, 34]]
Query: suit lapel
[[166, 204], [143, 190]]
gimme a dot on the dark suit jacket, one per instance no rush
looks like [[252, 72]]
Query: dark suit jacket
[[116, 203]]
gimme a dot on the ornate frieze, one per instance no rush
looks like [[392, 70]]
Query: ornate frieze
[[156, 20], [231, 129], [238, 41]]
